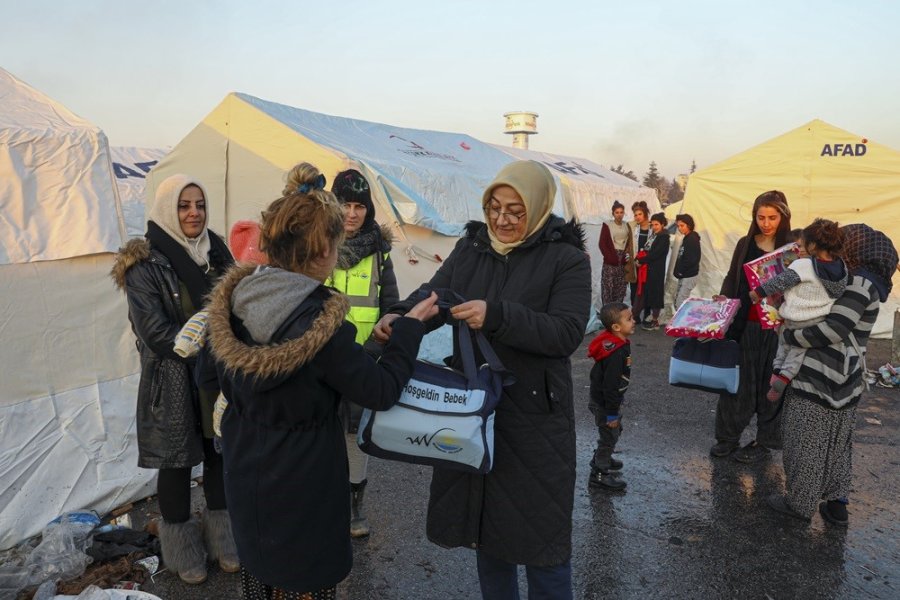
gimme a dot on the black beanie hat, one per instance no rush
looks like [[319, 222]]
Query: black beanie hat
[[351, 186]]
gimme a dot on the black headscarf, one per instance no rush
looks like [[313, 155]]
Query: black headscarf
[[871, 254]]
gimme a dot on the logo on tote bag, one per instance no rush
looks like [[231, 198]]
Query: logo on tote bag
[[446, 444]]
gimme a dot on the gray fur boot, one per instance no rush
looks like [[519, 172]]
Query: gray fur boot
[[359, 526], [220, 540], [182, 550]]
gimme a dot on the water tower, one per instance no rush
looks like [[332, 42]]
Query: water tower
[[520, 125]]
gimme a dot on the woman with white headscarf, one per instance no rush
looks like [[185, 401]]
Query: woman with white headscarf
[[527, 281], [166, 276]]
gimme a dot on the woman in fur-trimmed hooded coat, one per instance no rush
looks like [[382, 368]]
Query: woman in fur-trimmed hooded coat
[[284, 356], [528, 281]]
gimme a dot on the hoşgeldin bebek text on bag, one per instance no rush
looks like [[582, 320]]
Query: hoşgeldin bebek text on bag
[[444, 418]]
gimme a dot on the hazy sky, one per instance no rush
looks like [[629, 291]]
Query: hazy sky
[[615, 82]]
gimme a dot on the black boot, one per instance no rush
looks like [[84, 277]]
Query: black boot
[[606, 480], [359, 526]]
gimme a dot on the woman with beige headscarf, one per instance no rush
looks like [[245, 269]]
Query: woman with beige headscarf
[[527, 280], [166, 276]]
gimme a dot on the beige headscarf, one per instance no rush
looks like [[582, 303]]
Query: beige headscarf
[[534, 183], [164, 213]]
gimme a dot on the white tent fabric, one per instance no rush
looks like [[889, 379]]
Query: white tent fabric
[[435, 179], [588, 191], [52, 164], [427, 184], [68, 368], [130, 166]]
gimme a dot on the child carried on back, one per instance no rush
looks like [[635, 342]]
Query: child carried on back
[[810, 286]]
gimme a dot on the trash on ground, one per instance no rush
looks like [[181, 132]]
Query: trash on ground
[[886, 376]]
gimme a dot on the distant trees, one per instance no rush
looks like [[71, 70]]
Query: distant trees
[[655, 181], [667, 191], [621, 171]]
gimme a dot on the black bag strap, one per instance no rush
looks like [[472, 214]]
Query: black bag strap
[[467, 353], [448, 298]]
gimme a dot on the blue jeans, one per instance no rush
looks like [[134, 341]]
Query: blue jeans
[[499, 580]]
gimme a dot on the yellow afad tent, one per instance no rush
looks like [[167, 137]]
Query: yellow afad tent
[[824, 171]]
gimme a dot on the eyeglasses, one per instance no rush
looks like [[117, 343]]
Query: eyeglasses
[[511, 218]]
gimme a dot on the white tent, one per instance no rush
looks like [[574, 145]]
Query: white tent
[[427, 184], [130, 166], [68, 368], [589, 191]]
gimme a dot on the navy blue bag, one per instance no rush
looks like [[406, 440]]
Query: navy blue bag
[[707, 365], [444, 418]]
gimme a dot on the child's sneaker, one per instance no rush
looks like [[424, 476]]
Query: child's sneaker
[[606, 480], [651, 326]]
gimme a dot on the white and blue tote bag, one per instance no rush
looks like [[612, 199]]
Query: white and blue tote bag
[[444, 418]]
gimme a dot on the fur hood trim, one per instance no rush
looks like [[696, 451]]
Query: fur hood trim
[[555, 230], [387, 234], [274, 360], [132, 253]]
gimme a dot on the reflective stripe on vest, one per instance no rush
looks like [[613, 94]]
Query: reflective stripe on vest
[[361, 284]]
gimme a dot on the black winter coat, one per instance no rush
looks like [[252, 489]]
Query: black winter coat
[[735, 284], [538, 302], [688, 262], [168, 420], [655, 286], [283, 445]]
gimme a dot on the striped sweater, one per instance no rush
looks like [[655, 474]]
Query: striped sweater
[[831, 374]]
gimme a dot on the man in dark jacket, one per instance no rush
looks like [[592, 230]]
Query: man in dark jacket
[[527, 279]]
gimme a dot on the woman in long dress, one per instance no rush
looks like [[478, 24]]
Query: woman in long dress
[[616, 242]]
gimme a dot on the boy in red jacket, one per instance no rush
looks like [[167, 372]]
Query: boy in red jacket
[[610, 376]]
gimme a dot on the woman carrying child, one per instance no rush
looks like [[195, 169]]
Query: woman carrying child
[[810, 285], [820, 403]]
